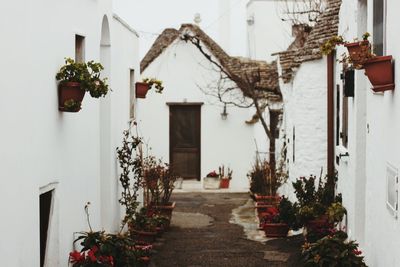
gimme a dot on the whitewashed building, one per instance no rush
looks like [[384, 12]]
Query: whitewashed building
[[183, 125], [367, 151], [305, 85], [53, 162]]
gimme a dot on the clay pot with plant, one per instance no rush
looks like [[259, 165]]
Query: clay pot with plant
[[148, 83], [226, 177], [77, 78]]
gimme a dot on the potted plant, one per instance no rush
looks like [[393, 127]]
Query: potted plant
[[143, 227], [318, 210], [76, 78], [263, 187], [277, 221], [159, 185], [225, 179], [332, 250], [212, 180], [147, 84], [359, 52]]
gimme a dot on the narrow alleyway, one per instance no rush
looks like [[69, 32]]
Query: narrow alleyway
[[201, 235]]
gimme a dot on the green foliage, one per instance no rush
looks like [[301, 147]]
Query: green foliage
[[313, 201], [144, 221], [87, 74], [72, 105], [336, 212], [330, 45], [333, 251], [287, 213], [366, 36], [131, 176], [261, 180], [154, 82]]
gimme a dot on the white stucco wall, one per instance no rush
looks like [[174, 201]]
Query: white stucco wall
[[183, 70], [268, 34], [373, 134], [305, 110], [42, 148]]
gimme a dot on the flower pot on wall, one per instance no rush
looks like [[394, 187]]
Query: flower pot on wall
[[70, 96], [359, 52], [141, 89], [380, 73]]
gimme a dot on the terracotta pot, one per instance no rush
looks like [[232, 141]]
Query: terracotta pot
[[141, 89], [224, 183], [70, 91], [268, 200], [262, 208], [143, 236], [166, 209], [380, 73], [359, 53], [321, 222], [276, 229]]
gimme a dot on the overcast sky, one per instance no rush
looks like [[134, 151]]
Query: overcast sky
[[151, 17]]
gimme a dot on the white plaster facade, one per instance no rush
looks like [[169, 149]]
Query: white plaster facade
[[373, 144], [43, 149], [304, 123], [183, 70]]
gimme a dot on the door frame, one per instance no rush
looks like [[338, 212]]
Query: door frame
[[187, 104]]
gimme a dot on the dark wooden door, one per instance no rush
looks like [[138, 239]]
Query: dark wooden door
[[185, 140]]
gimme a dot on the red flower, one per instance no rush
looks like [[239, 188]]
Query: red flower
[[92, 252], [357, 252], [76, 257]]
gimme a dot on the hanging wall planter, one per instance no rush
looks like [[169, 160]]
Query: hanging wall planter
[[359, 53], [141, 89], [75, 79], [380, 73], [70, 96]]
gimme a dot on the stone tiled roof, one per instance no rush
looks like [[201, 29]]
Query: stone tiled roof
[[162, 42], [325, 28], [238, 66]]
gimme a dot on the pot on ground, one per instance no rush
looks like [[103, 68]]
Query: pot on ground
[[143, 236], [276, 229], [224, 183], [165, 209]]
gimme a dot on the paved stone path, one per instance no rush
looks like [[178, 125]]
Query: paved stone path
[[201, 235]]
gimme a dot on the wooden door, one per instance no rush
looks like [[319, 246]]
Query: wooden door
[[185, 140]]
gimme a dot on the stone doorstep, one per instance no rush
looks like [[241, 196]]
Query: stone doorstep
[[276, 256]]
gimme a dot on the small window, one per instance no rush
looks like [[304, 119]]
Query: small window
[[79, 48], [45, 201], [379, 19], [132, 94]]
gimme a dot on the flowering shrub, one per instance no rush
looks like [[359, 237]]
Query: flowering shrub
[[333, 250], [91, 257], [284, 213]]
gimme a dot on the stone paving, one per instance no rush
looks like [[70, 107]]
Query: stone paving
[[208, 230]]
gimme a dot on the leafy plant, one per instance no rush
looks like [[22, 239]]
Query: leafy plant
[[105, 249], [87, 74], [261, 180], [156, 83], [227, 175], [131, 177], [313, 201], [71, 104], [333, 251], [144, 221], [330, 45], [284, 213]]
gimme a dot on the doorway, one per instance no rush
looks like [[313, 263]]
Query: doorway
[[184, 143]]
